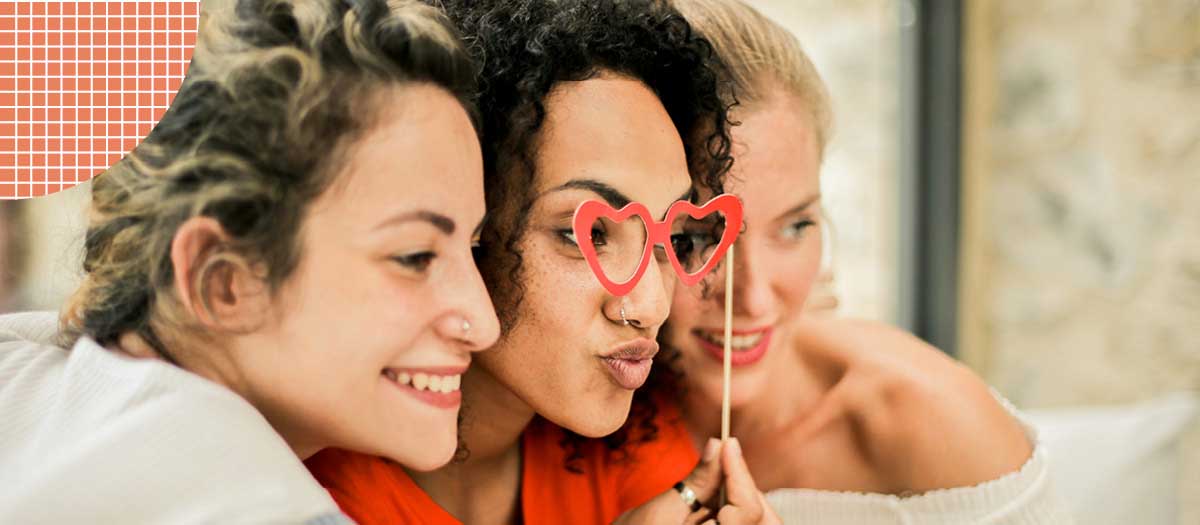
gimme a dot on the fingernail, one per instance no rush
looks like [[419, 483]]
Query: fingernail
[[711, 449], [735, 445]]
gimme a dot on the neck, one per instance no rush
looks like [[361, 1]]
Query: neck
[[486, 485]]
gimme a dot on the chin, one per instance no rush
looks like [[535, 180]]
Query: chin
[[602, 420], [426, 457], [743, 393], [745, 387]]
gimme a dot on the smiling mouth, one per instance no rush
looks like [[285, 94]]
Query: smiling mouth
[[738, 343], [440, 390], [746, 348], [421, 381]]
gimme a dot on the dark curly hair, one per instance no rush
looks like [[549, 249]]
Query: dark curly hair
[[526, 47]]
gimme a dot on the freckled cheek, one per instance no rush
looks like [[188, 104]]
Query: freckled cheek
[[560, 301]]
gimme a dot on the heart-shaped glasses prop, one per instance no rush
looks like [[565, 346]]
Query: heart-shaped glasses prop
[[618, 245]]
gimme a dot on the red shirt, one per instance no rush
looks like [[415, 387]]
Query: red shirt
[[372, 490]]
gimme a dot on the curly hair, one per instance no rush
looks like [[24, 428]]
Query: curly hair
[[275, 91], [525, 48]]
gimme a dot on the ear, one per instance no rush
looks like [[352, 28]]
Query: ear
[[214, 284]]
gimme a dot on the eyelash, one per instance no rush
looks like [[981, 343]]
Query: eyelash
[[418, 262], [796, 229], [567, 236]]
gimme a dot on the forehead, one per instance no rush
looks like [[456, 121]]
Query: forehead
[[419, 146], [615, 130], [776, 156]]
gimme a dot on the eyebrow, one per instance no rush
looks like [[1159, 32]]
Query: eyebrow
[[808, 201], [611, 195], [441, 222]]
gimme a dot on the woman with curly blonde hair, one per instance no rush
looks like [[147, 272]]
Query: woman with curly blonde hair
[[285, 264]]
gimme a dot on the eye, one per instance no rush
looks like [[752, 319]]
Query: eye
[[683, 246], [692, 245], [796, 229], [418, 262], [599, 237]]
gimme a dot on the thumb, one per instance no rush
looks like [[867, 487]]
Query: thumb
[[705, 479]]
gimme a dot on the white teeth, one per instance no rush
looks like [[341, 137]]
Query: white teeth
[[430, 382], [420, 381], [737, 342]]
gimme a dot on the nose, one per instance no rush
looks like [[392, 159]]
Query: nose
[[751, 283], [649, 303], [470, 318]]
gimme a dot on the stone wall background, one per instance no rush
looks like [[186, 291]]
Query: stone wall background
[[1084, 284]]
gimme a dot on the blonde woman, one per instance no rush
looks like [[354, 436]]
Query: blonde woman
[[841, 421], [293, 243]]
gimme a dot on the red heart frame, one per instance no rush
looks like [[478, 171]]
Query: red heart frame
[[657, 233]]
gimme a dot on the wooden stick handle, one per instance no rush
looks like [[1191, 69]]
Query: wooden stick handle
[[728, 356]]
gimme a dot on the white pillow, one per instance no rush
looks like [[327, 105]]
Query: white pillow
[[1118, 465]]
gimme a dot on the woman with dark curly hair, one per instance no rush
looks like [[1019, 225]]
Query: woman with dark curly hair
[[609, 100], [294, 235]]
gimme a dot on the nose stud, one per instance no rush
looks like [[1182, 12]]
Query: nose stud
[[466, 328]]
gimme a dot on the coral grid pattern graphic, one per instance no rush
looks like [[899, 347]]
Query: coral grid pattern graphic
[[82, 82]]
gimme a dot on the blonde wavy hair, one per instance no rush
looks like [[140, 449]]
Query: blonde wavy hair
[[275, 91], [760, 54]]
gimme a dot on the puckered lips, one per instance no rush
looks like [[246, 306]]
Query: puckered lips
[[629, 363]]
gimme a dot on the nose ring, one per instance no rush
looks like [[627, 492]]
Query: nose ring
[[623, 319]]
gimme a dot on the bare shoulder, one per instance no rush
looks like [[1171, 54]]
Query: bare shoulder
[[924, 420]]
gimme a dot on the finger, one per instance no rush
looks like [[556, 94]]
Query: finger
[[739, 485], [705, 479], [735, 515], [770, 517], [700, 516]]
